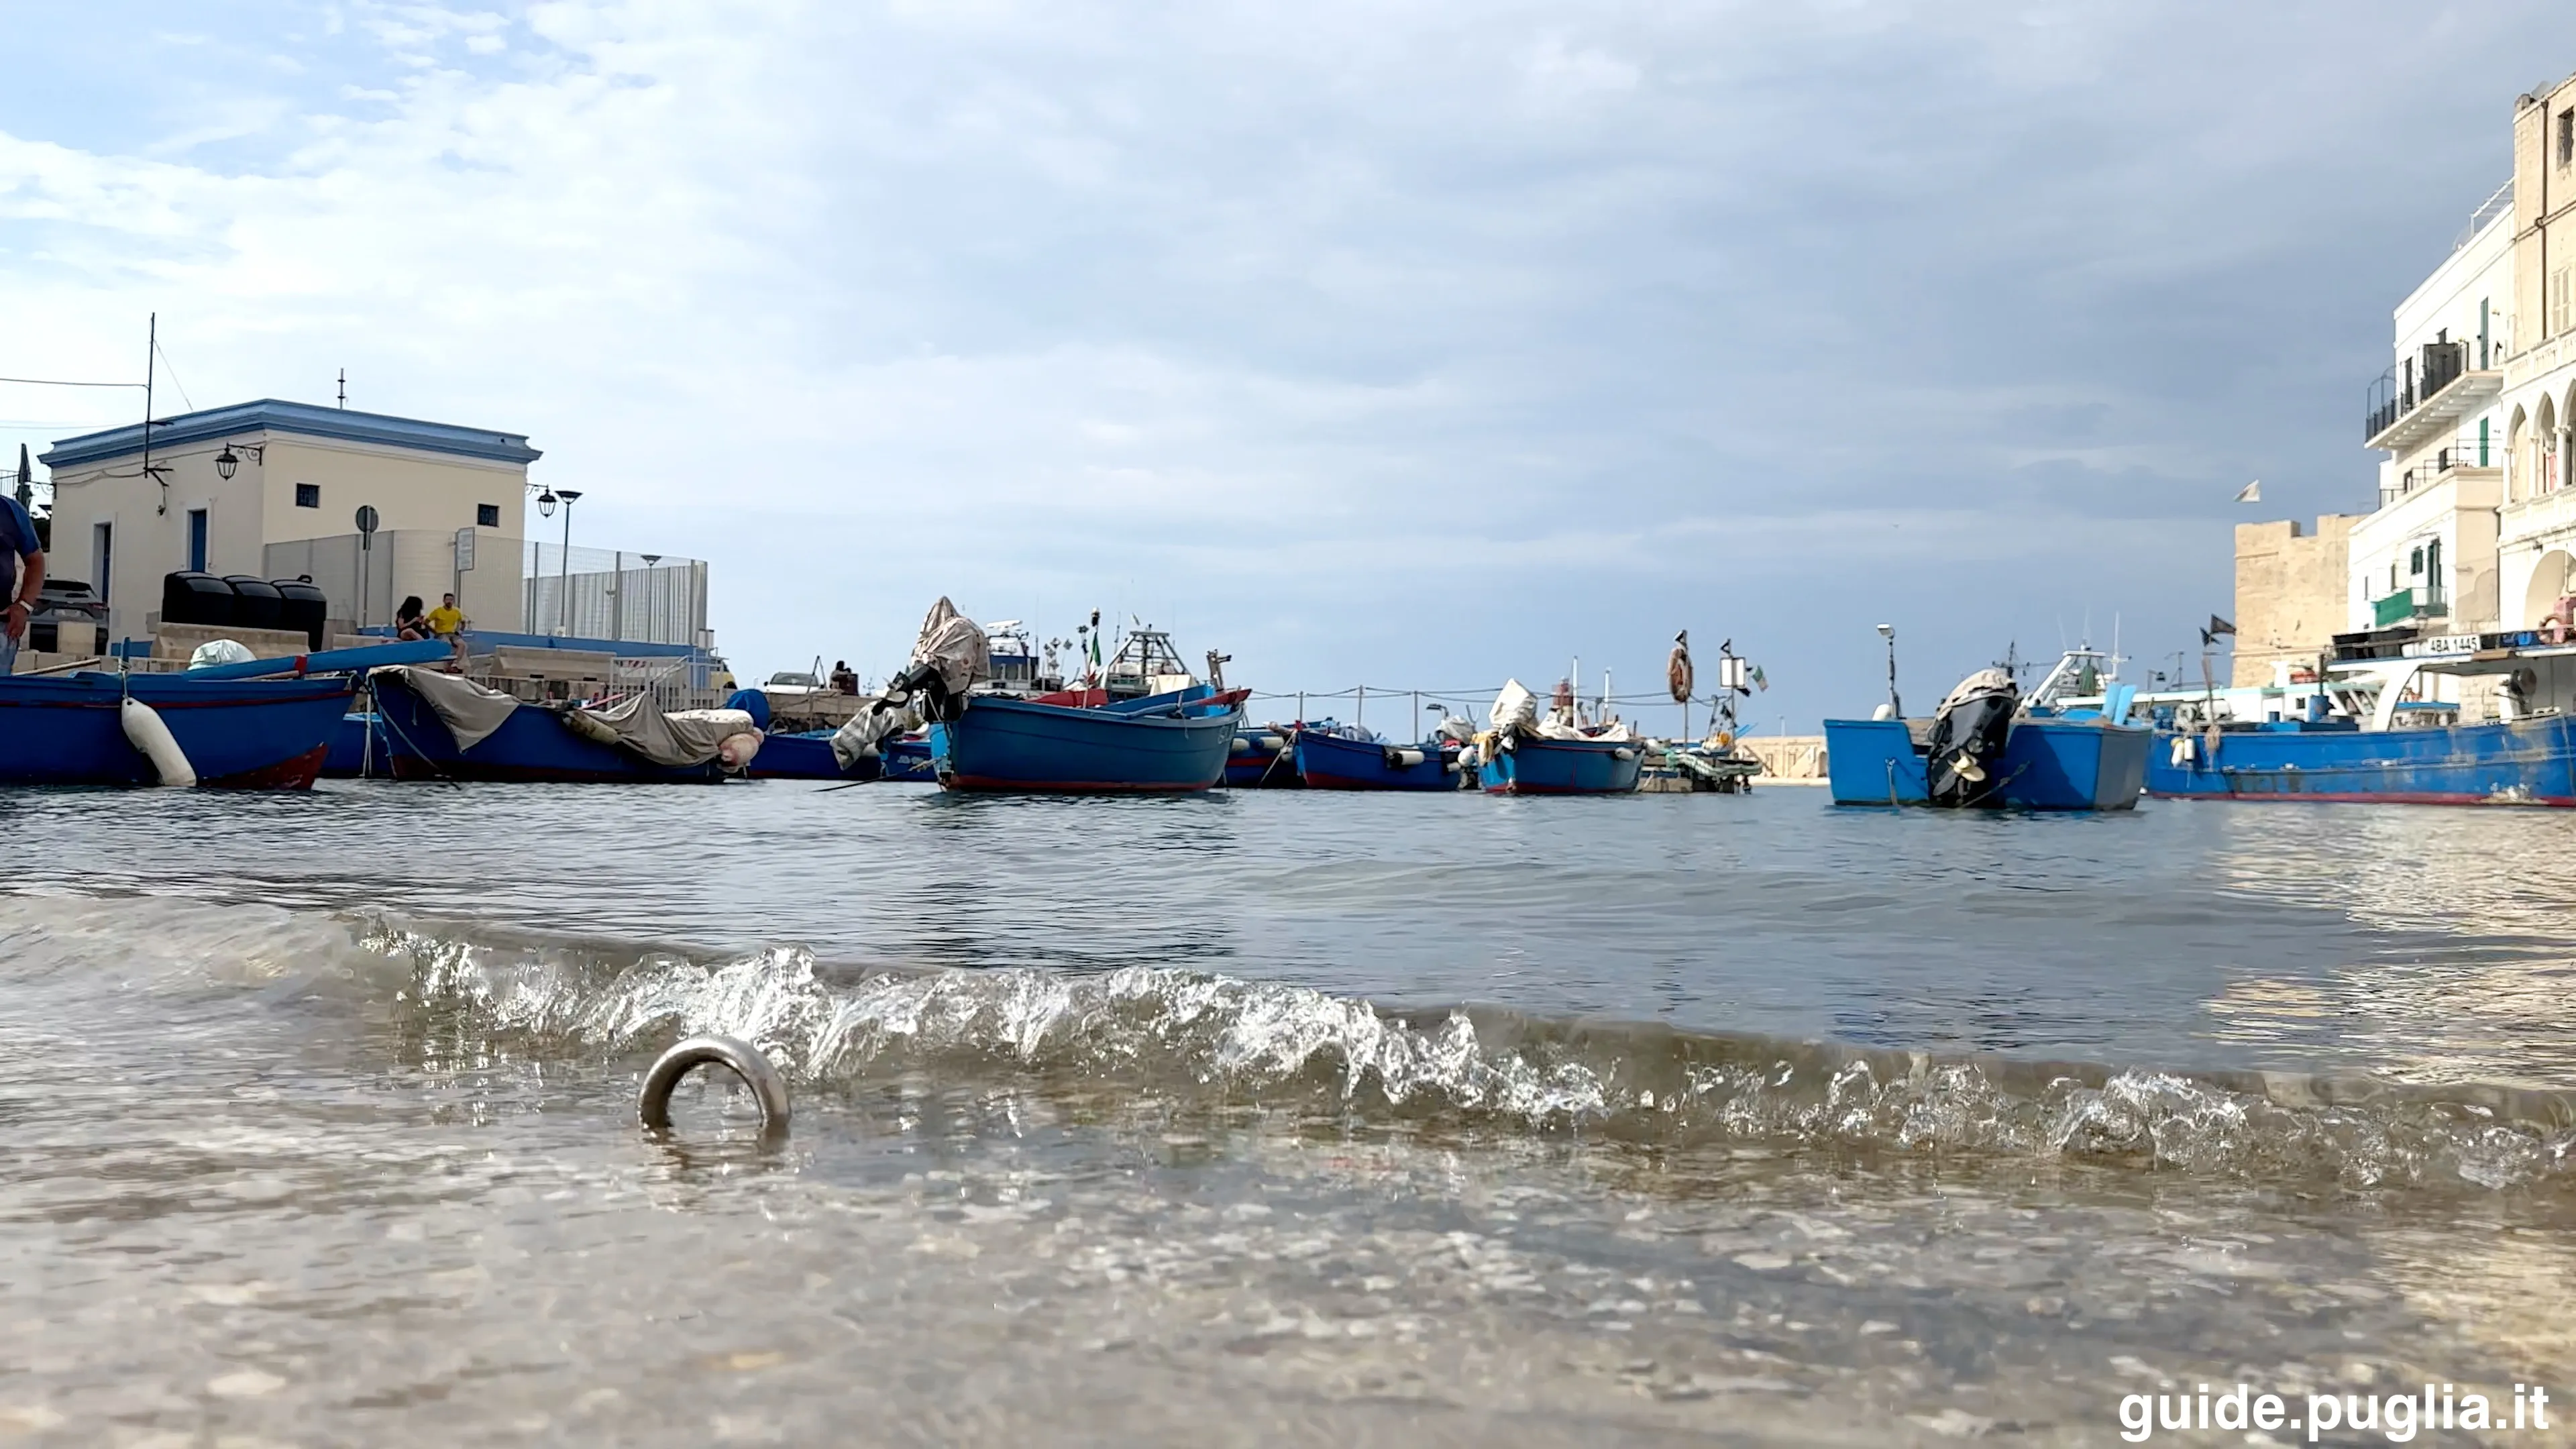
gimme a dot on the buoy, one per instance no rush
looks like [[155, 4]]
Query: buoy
[[1403, 759], [145, 731], [736, 750], [653, 1104]]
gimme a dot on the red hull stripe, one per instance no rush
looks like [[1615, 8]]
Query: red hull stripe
[[295, 774], [1056, 787]]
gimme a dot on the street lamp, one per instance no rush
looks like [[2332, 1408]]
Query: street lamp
[[228, 462], [1895, 706], [564, 584]]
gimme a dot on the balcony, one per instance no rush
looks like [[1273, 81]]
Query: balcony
[[2413, 402], [2424, 601], [2468, 450]]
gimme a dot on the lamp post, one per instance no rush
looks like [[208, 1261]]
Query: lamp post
[[563, 585], [228, 462], [1895, 706]]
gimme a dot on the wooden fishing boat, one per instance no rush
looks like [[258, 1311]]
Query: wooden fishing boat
[[1132, 747], [1540, 765], [1326, 760]]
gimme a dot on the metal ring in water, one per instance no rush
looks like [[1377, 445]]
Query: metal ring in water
[[653, 1106]]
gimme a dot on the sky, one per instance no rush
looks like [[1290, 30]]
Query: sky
[[1413, 344]]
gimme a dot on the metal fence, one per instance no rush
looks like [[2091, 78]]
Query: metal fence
[[645, 597]]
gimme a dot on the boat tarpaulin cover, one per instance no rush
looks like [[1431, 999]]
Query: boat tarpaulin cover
[[1984, 681], [954, 644], [469, 711], [681, 737], [1515, 710], [857, 739]]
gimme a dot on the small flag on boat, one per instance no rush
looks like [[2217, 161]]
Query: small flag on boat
[[2251, 492], [2217, 626], [1760, 680]]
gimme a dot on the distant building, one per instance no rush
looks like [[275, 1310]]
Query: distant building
[[2427, 556], [2537, 519], [273, 489], [2290, 595]]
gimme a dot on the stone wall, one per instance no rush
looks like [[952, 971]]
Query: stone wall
[[2291, 593]]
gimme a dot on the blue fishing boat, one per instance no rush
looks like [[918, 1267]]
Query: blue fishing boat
[[359, 749], [905, 760], [808, 755], [1331, 760], [1262, 758], [997, 742], [508, 740], [252, 734], [2372, 731], [1539, 765], [1990, 747]]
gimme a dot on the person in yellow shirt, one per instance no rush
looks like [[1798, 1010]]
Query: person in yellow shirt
[[446, 621]]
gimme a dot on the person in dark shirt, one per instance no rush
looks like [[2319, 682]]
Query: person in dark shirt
[[22, 565], [409, 620]]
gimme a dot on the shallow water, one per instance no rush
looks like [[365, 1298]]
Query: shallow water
[[1268, 1117]]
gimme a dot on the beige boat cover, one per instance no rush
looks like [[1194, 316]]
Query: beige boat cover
[[955, 644], [469, 711], [674, 739], [857, 738]]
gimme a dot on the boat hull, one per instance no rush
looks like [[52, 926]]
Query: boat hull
[[1330, 762], [807, 755], [2526, 762], [1563, 767], [532, 746], [1253, 764], [906, 762], [1001, 743], [359, 750], [248, 734], [2047, 764]]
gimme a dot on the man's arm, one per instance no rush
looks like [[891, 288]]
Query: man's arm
[[24, 604]]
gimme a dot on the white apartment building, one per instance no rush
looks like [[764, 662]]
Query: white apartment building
[[2427, 555], [2536, 545]]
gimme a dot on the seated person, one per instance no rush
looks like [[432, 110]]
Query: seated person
[[409, 622], [446, 621]]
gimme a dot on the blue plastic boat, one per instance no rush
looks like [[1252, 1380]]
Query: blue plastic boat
[[906, 761], [806, 755], [2047, 764], [2526, 762], [1003, 743], [1327, 761], [1536, 765], [238, 733], [533, 744]]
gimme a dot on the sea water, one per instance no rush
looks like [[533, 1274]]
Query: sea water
[[1269, 1117]]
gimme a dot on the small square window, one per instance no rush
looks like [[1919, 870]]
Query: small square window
[[308, 495], [487, 515]]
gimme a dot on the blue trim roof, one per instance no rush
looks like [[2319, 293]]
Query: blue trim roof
[[305, 419]]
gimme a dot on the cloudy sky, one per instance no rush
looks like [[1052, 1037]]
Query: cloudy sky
[[1411, 343]]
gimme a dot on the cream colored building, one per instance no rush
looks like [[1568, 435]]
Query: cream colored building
[[2537, 543], [443, 496], [2290, 594]]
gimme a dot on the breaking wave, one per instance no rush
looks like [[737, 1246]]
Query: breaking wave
[[1218, 1040]]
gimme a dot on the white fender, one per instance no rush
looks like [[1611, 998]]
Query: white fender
[[1623, 754], [145, 731], [1404, 759], [737, 750]]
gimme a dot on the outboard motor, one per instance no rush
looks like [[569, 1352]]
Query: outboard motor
[[949, 659], [1968, 737]]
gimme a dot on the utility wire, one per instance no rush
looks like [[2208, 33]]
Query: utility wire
[[58, 382], [174, 376]]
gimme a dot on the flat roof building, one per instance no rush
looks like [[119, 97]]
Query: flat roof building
[[273, 489]]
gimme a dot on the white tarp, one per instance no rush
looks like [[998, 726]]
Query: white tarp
[[1984, 681], [1515, 710], [955, 645], [469, 711], [682, 737]]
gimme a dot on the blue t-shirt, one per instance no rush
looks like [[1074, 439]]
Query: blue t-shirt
[[17, 531]]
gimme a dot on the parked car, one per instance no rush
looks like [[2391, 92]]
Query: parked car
[[60, 602]]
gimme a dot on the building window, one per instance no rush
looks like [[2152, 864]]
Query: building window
[[197, 539], [2567, 135], [2415, 565], [487, 515], [308, 495], [102, 559]]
